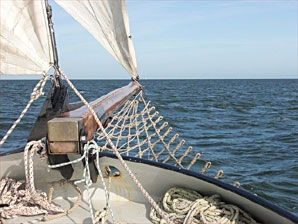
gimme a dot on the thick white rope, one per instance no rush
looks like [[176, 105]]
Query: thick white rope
[[28, 202], [36, 93], [86, 175], [67, 163], [107, 195], [188, 206], [132, 176], [88, 182], [38, 197]]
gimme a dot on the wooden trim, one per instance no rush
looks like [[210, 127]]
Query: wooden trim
[[104, 107]]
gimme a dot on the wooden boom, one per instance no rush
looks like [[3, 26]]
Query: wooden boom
[[69, 129]]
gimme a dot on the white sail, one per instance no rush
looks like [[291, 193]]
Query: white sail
[[107, 21], [25, 46]]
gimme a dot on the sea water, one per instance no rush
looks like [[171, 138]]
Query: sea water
[[247, 128]]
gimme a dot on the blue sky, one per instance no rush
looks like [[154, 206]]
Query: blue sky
[[190, 39]]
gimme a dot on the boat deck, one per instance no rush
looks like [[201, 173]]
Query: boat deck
[[127, 202], [124, 212]]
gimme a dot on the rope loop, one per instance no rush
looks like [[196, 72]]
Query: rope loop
[[188, 206], [27, 202], [132, 176]]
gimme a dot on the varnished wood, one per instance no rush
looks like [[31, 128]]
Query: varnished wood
[[104, 107]]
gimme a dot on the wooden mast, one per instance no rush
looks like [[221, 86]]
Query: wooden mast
[[70, 129], [53, 41]]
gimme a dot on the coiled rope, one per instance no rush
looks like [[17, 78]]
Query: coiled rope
[[132, 176], [26, 202], [31, 202], [188, 206]]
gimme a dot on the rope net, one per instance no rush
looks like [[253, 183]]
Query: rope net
[[138, 130]]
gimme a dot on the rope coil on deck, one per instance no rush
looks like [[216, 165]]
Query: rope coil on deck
[[132, 176], [188, 206], [31, 202], [28, 202], [119, 136], [154, 135]]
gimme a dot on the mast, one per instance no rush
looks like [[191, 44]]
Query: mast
[[53, 41]]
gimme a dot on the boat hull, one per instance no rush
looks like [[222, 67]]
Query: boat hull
[[127, 202]]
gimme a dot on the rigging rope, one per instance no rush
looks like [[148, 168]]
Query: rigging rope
[[132, 124], [36, 93], [132, 176], [88, 148], [138, 131], [30, 201]]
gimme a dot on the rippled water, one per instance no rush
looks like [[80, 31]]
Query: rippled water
[[248, 128]]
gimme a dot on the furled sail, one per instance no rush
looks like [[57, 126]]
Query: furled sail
[[107, 21], [25, 45]]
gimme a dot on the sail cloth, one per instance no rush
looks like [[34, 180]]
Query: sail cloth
[[25, 44], [107, 21]]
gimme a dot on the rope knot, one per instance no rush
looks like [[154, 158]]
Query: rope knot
[[36, 94]]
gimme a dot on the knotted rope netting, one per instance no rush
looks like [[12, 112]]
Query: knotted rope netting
[[138, 130]]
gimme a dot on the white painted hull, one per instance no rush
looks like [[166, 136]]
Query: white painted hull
[[127, 202]]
